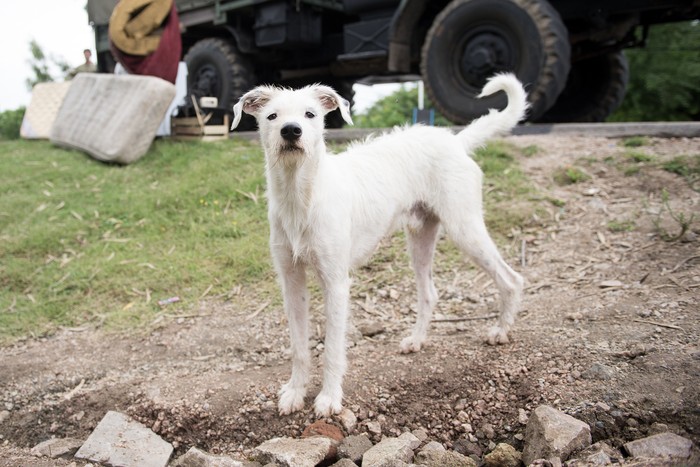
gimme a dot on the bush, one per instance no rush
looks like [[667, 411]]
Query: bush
[[10, 123]]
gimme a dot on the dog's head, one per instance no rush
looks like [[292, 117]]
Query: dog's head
[[290, 121]]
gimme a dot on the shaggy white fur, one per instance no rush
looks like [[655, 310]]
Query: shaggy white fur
[[329, 212]]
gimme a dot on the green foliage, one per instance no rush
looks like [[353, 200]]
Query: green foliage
[[635, 141], [665, 76], [395, 109], [10, 123], [621, 226], [570, 175], [638, 156], [681, 220], [687, 167], [82, 241], [41, 66]]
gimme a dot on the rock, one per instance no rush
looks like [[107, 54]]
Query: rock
[[412, 440], [354, 447], [57, 447], [326, 430], [387, 451], [609, 284], [421, 434], [663, 444], [371, 329], [289, 452], [504, 455], [347, 419], [196, 458], [466, 447], [344, 463], [4, 415], [437, 458], [597, 454], [433, 446], [552, 434], [119, 440], [599, 371], [374, 427]]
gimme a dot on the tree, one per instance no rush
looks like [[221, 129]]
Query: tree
[[665, 76], [41, 64], [395, 109]]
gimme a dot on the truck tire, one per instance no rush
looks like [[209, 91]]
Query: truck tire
[[471, 40], [594, 90], [215, 68]]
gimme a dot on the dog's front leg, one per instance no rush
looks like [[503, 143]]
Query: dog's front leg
[[336, 291], [296, 306]]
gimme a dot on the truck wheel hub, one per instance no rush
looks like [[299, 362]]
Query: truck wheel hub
[[484, 54]]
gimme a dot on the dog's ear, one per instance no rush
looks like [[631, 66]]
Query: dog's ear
[[331, 100], [251, 103]]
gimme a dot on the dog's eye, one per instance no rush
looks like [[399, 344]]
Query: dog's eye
[[272, 117], [310, 115]]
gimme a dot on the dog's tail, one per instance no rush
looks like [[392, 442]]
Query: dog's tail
[[497, 123]]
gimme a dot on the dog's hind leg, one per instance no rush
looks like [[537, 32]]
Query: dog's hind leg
[[296, 305], [421, 244], [473, 239]]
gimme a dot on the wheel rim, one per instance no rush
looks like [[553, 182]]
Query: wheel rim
[[485, 51]]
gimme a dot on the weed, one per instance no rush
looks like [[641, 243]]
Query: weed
[[635, 141], [531, 150], [570, 176], [621, 226], [639, 157], [683, 221]]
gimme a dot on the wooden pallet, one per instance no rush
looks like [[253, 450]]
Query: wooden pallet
[[198, 128]]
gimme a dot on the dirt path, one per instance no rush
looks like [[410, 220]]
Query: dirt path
[[609, 332]]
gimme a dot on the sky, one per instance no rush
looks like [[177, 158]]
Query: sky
[[61, 28]]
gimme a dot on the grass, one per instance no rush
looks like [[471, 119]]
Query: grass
[[687, 167], [635, 141], [85, 242], [570, 175]]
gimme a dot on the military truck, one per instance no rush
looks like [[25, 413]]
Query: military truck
[[569, 53]]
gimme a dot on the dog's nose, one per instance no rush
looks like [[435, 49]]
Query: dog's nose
[[291, 131]]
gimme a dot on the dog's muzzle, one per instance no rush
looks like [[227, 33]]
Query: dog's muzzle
[[291, 132]]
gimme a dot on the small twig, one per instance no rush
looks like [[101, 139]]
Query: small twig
[[688, 259], [523, 253], [74, 391], [654, 323], [258, 311], [469, 318]]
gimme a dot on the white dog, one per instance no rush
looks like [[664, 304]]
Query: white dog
[[330, 211]]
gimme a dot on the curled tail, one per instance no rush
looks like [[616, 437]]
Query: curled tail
[[497, 123]]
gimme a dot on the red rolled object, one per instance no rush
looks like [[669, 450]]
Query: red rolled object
[[163, 62]]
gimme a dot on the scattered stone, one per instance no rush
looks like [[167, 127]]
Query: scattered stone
[[551, 434], [467, 447], [433, 446], [347, 419], [354, 447], [289, 452], [609, 284], [412, 440], [522, 416], [57, 447], [344, 463], [374, 427], [597, 454], [119, 440], [599, 371], [196, 458], [663, 444], [371, 329], [657, 428], [504, 455], [326, 430], [4, 415], [421, 434], [444, 458], [387, 451]]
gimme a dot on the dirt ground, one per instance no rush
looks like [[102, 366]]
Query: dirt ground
[[608, 333]]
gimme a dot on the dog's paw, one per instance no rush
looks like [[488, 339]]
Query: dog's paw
[[497, 335], [291, 399], [326, 405], [410, 344]]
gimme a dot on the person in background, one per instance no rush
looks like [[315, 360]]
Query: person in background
[[87, 67]]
